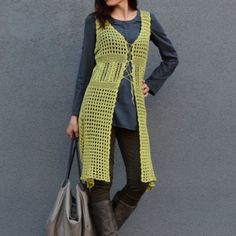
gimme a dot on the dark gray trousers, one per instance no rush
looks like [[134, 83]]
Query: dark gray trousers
[[129, 145]]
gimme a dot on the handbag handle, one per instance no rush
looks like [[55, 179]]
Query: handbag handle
[[73, 149]]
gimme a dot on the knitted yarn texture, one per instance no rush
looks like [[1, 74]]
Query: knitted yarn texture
[[95, 118]]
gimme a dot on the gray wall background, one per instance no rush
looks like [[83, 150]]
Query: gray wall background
[[191, 120]]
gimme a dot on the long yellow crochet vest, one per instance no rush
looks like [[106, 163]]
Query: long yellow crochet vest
[[96, 114]]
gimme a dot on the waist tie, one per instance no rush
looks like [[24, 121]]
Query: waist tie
[[128, 69]]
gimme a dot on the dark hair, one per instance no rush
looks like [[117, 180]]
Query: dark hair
[[103, 12]]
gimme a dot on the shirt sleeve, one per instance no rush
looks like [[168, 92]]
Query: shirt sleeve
[[87, 63], [168, 55]]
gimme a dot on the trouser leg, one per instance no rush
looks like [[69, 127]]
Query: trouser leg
[[126, 200], [129, 144]]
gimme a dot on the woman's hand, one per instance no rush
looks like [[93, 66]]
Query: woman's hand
[[145, 88], [73, 127]]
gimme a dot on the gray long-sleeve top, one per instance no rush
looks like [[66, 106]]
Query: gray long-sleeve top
[[125, 114]]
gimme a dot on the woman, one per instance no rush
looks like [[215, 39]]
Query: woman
[[109, 104]]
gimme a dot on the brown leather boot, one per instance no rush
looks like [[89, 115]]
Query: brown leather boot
[[103, 218], [121, 209]]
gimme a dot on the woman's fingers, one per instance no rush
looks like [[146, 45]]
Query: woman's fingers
[[145, 88], [76, 134], [70, 133], [72, 129]]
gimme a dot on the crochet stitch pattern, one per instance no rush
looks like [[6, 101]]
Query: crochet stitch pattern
[[95, 118]]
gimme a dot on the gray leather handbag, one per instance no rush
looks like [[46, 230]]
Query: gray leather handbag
[[70, 215]]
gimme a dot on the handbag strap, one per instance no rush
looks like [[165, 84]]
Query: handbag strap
[[73, 150]]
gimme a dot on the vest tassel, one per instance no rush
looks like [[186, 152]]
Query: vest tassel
[[132, 90], [130, 79]]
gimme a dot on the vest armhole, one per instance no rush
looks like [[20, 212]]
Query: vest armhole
[[96, 32], [147, 19], [148, 13], [97, 24], [150, 23]]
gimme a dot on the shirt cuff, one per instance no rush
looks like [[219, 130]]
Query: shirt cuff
[[154, 84]]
